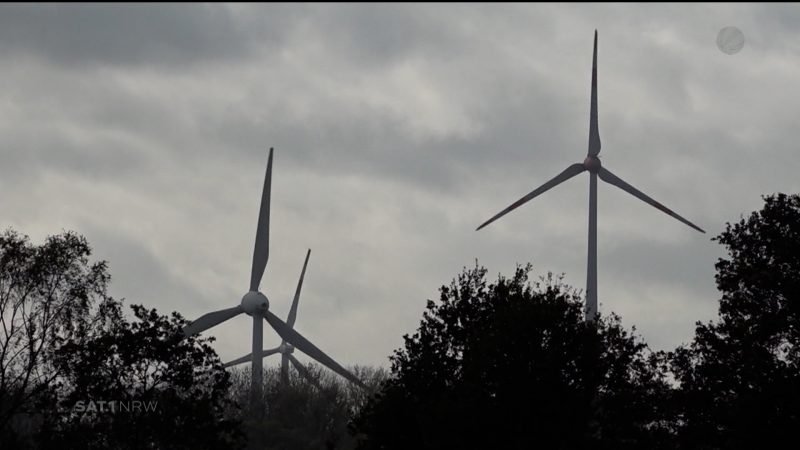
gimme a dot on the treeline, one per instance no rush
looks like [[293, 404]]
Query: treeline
[[498, 364], [512, 364], [314, 411]]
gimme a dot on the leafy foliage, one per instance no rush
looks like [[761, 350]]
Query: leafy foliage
[[513, 365], [65, 342], [148, 361], [308, 413], [46, 292], [740, 377]]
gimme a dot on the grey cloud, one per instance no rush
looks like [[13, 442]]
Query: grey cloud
[[630, 260], [398, 129], [371, 141], [136, 273], [122, 34], [781, 22]]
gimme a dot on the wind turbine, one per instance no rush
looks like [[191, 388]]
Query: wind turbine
[[255, 304], [286, 349], [594, 167]]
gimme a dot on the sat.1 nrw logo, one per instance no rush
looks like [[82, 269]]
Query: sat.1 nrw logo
[[114, 406]]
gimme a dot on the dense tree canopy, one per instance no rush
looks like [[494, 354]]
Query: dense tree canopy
[[740, 377], [72, 364], [178, 384], [513, 365]]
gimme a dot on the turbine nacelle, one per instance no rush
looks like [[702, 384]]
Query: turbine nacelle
[[255, 302], [592, 164]]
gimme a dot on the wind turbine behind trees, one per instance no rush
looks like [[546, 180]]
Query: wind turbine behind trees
[[591, 164], [256, 304], [286, 349]]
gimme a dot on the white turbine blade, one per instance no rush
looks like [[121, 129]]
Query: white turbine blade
[[293, 312], [302, 370], [610, 178], [249, 356], [305, 346], [568, 173], [594, 132], [261, 249], [211, 319]]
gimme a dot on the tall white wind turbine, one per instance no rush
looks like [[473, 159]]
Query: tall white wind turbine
[[595, 169], [285, 349], [256, 305]]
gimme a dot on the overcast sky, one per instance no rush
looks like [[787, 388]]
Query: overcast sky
[[398, 129]]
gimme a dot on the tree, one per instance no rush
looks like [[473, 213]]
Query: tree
[[740, 376], [76, 373], [310, 412], [45, 294], [178, 383], [513, 365]]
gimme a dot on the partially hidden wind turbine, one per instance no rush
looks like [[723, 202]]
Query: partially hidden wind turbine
[[286, 349], [256, 304], [595, 169]]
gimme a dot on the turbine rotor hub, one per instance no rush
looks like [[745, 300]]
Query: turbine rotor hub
[[592, 164], [254, 303]]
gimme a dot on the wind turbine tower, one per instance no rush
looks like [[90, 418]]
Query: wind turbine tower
[[255, 304], [591, 164]]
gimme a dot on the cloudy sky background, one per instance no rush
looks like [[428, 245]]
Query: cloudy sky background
[[398, 129]]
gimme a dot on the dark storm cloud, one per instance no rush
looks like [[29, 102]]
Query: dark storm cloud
[[123, 34], [364, 138]]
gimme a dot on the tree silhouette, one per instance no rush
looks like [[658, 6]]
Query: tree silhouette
[[46, 292], [513, 365], [67, 351], [740, 377], [178, 382]]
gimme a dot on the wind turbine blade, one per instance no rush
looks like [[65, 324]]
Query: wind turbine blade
[[249, 356], [594, 132], [303, 370], [610, 178], [261, 250], [211, 319], [568, 173], [305, 346], [293, 312]]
